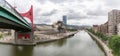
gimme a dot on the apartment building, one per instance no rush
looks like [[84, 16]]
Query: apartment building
[[113, 21]]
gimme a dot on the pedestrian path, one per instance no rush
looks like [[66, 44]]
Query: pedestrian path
[[107, 51]]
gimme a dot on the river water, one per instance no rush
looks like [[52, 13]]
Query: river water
[[81, 44]]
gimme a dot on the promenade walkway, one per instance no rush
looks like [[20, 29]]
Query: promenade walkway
[[40, 37], [107, 51], [57, 36]]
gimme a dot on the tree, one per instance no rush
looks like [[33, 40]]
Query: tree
[[114, 43]]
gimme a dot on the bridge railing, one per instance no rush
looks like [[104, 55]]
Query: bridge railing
[[8, 7]]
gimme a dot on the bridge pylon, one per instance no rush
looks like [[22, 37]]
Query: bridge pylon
[[24, 38]]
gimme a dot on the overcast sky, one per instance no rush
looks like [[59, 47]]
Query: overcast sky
[[79, 12]]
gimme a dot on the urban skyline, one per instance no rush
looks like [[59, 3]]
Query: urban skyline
[[59, 27], [64, 19], [85, 12]]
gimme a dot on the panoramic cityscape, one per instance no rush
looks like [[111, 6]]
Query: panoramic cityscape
[[59, 28]]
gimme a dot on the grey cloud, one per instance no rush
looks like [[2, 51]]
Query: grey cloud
[[37, 12], [50, 13], [76, 15], [46, 20], [57, 1], [97, 12], [41, 1], [84, 0], [42, 20], [62, 1], [80, 0], [54, 1], [71, 11], [112, 2]]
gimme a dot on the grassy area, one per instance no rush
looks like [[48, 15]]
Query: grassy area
[[113, 41], [99, 34]]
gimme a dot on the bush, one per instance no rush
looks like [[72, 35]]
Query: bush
[[114, 44], [72, 29], [99, 34], [1, 36], [90, 30]]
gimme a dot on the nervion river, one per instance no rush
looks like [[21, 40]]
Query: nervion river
[[81, 44]]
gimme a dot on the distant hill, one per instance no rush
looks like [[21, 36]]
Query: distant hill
[[42, 24]]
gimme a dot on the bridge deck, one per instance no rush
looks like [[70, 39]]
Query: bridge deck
[[10, 18]]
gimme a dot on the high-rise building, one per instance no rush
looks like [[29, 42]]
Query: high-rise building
[[65, 19], [113, 21]]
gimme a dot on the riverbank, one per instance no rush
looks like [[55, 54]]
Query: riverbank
[[80, 44], [53, 37], [105, 48], [42, 34], [39, 38]]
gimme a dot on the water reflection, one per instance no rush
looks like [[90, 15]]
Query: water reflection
[[58, 43], [22, 51], [80, 44]]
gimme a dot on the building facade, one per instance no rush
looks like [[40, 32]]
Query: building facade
[[104, 28], [113, 21], [118, 27], [96, 28]]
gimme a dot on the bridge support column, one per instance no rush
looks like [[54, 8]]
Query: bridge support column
[[24, 37]]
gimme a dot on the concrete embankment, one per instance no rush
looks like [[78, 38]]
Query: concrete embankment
[[49, 38], [105, 48], [41, 38]]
